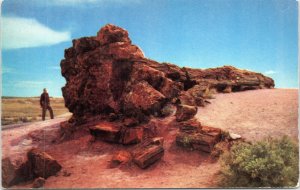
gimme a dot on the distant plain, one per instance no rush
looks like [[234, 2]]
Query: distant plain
[[17, 110]]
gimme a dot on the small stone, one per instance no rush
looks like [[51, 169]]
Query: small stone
[[38, 182], [158, 141], [120, 158], [66, 173], [234, 136], [185, 112]]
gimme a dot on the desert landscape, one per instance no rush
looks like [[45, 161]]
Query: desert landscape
[[179, 168], [138, 123], [18, 110]]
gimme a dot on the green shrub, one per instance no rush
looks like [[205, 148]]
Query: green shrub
[[269, 163]]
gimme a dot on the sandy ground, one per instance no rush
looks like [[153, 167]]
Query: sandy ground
[[252, 114]]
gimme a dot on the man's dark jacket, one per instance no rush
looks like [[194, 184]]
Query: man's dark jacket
[[44, 100]]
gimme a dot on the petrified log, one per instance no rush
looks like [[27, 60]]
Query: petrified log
[[107, 131], [106, 74], [148, 152], [194, 136], [197, 141], [132, 135], [190, 126], [43, 164], [212, 131]]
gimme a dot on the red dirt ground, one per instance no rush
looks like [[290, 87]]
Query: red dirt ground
[[252, 114]]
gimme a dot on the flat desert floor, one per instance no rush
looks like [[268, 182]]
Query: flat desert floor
[[252, 114]]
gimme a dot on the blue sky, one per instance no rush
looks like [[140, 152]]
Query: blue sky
[[258, 35]]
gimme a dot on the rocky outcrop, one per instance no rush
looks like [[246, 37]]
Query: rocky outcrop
[[229, 78], [113, 90], [106, 74]]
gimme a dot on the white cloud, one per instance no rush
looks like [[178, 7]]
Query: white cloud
[[20, 32], [270, 72], [6, 70], [31, 84]]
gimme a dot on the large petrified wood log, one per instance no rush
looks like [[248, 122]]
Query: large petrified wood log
[[106, 74]]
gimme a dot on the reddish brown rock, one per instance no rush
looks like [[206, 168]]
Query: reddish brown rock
[[212, 131], [132, 135], [190, 126], [196, 141], [144, 158], [21, 169], [15, 170], [120, 158], [43, 164], [185, 112], [130, 122], [116, 132], [157, 141], [150, 130], [192, 135], [38, 182], [111, 34], [148, 152], [222, 77], [185, 98], [107, 131], [106, 75], [144, 97]]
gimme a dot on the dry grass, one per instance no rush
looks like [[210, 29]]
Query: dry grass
[[20, 110]]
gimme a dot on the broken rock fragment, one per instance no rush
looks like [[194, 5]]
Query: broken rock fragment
[[192, 135], [107, 131], [185, 112], [120, 158], [38, 182], [132, 135], [43, 164], [148, 152], [20, 169], [15, 171]]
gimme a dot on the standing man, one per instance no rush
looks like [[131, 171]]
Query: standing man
[[45, 104]]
